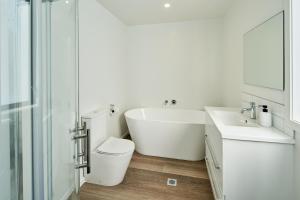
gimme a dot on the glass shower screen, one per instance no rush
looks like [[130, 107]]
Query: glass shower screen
[[15, 99]]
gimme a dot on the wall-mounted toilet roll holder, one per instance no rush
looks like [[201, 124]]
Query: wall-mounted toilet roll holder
[[112, 109]]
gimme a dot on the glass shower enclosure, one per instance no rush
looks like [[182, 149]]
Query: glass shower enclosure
[[38, 99], [15, 100]]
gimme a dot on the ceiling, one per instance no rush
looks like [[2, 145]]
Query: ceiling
[[137, 12]]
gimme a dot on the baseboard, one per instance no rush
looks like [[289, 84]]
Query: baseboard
[[82, 181]]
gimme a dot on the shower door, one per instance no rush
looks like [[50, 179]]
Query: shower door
[[55, 86], [62, 74], [38, 99]]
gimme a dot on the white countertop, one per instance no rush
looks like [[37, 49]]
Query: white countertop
[[258, 133]]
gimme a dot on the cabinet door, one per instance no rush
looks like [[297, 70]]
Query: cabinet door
[[213, 138], [257, 170], [214, 174]]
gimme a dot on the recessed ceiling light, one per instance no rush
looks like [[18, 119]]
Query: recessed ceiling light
[[167, 5], [66, 1]]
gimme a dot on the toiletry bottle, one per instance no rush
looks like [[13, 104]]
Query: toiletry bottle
[[265, 117]]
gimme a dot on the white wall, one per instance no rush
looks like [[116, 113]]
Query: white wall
[[175, 61], [102, 40], [243, 16], [134, 66]]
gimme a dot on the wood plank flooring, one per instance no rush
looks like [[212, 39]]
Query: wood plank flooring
[[146, 179], [171, 166]]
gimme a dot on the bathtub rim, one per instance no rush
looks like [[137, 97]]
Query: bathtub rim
[[167, 121]]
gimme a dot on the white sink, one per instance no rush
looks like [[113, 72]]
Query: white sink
[[235, 126], [232, 118]]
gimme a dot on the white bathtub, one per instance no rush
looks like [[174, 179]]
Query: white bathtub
[[169, 133]]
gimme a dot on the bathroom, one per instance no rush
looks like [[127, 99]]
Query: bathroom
[[160, 99]]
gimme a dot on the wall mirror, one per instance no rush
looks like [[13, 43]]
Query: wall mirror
[[264, 54]]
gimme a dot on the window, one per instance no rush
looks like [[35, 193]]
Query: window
[[295, 71]]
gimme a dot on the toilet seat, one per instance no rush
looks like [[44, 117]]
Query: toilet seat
[[115, 146]]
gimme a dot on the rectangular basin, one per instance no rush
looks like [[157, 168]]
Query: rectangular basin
[[231, 118]]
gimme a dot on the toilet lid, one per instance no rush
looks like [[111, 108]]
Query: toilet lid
[[116, 146]]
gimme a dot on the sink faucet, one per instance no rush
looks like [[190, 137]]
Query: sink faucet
[[252, 110]]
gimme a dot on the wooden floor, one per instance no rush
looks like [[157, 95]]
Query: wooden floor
[[146, 179]]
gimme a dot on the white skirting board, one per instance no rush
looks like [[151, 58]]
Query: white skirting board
[[82, 181]]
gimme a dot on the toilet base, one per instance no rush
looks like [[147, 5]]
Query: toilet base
[[108, 170]]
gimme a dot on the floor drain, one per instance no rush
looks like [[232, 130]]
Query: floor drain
[[172, 182]]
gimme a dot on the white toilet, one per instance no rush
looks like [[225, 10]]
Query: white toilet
[[110, 156]]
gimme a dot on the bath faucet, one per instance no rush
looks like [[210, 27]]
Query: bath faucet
[[252, 110], [165, 102]]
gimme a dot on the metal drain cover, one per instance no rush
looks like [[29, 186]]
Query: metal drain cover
[[172, 182]]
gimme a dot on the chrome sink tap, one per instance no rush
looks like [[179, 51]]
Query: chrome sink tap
[[252, 110]]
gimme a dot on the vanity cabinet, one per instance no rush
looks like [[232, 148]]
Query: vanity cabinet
[[243, 169]]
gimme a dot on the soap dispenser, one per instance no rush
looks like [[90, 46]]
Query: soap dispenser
[[265, 117]]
